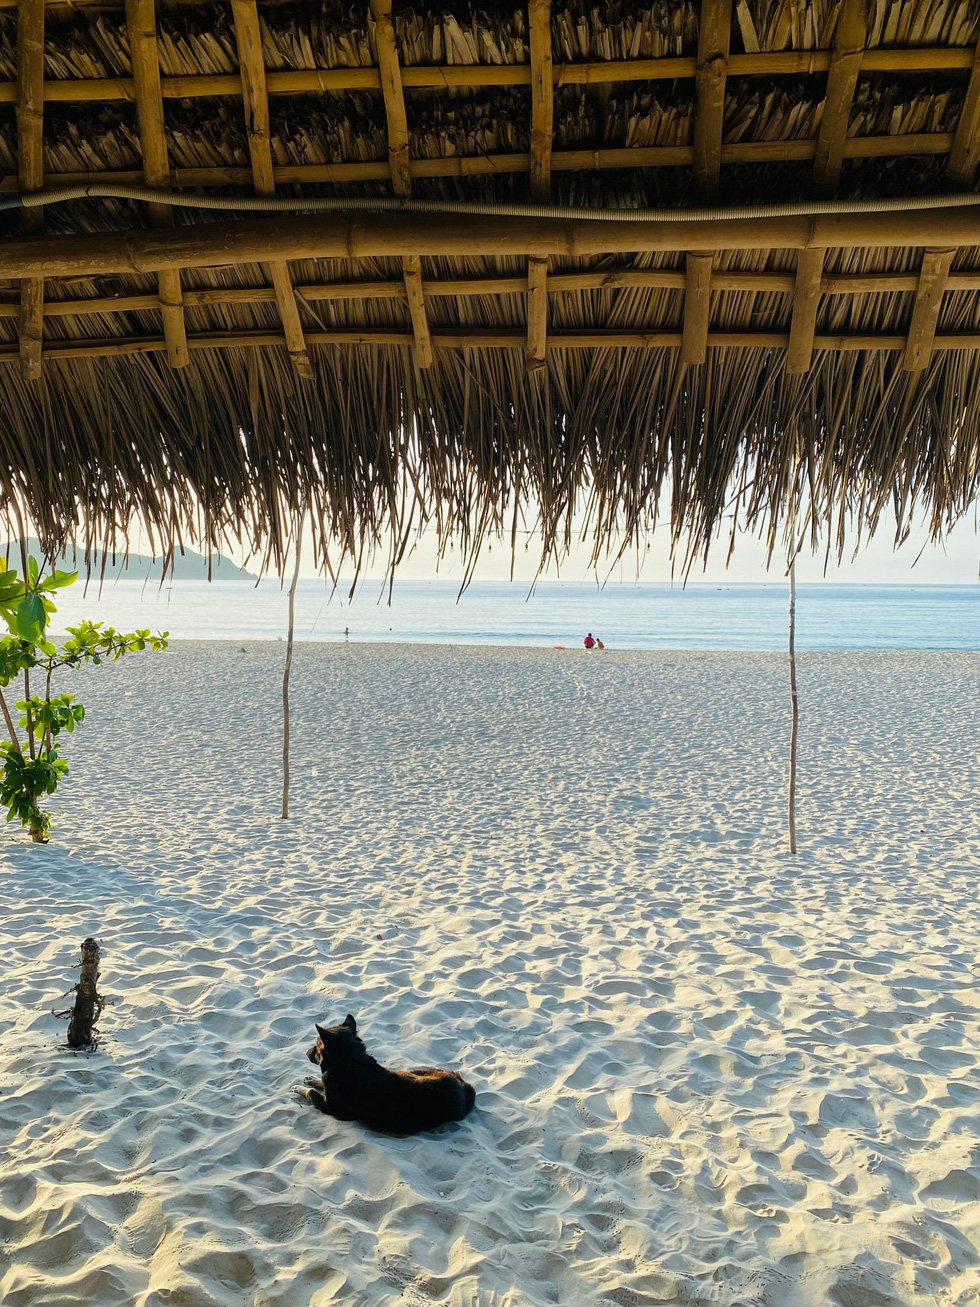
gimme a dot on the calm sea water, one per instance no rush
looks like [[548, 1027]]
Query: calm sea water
[[641, 616]]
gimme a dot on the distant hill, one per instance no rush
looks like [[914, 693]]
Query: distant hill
[[188, 566]]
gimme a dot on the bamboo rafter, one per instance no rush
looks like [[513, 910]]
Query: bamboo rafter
[[925, 314], [142, 31], [255, 102], [477, 339], [483, 165], [842, 78], [965, 153], [301, 81], [714, 41], [542, 131], [806, 300], [845, 67], [389, 70], [769, 283], [30, 170], [697, 308]]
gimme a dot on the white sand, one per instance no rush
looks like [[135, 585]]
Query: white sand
[[706, 1072]]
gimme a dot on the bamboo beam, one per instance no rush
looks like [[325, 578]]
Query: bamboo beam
[[769, 283], [925, 313], [412, 267], [714, 42], [481, 165], [489, 339], [806, 301], [394, 99], [965, 154], [30, 170], [255, 102], [142, 31], [375, 235], [542, 134], [389, 71], [697, 308], [845, 65], [542, 99], [303, 81], [536, 351]]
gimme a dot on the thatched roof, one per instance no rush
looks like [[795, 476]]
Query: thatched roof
[[406, 369]]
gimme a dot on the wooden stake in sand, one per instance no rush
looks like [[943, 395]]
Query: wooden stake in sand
[[88, 1001], [285, 674], [794, 701]]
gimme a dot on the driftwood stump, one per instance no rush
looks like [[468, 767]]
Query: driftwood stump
[[88, 1001]]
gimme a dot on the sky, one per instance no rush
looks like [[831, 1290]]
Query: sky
[[957, 562]]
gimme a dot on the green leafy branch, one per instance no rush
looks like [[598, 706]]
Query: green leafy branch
[[33, 767]]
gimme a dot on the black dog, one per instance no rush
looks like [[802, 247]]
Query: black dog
[[354, 1087]]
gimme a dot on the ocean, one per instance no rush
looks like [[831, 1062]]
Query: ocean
[[631, 616]]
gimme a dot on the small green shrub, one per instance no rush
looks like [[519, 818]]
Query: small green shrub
[[33, 766]]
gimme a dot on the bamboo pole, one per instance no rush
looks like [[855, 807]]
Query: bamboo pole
[[374, 235], [255, 105], [806, 301], [794, 706], [965, 153], [925, 313], [141, 29], [542, 98], [288, 668], [845, 68], [482, 165], [771, 283], [697, 308], [542, 134], [714, 42], [480, 339], [412, 272], [394, 99], [30, 170], [396, 118], [766, 63]]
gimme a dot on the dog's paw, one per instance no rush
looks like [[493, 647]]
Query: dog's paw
[[300, 1091], [314, 1082]]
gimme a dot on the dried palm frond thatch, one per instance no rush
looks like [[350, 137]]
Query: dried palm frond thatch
[[236, 442]]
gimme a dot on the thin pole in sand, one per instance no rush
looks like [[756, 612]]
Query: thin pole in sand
[[289, 663], [794, 700]]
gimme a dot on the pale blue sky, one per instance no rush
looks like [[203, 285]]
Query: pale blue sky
[[878, 562]]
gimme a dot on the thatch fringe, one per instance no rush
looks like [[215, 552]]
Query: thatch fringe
[[235, 445]]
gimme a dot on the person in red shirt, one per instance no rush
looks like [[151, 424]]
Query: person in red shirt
[[589, 641]]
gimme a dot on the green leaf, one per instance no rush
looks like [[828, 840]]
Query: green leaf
[[57, 580], [31, 619], [33, 571]]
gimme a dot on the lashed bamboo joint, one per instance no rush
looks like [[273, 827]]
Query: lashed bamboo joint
[[463, 360]]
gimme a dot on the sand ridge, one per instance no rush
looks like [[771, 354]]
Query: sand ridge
[[707, 1072]]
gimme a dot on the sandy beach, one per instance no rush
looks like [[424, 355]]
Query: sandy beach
[[707, 1072]]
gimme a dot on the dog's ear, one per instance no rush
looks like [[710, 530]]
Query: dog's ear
[[323, 1034], [350, 1023]]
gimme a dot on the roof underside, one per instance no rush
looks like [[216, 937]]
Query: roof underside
[[447, 379]]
